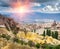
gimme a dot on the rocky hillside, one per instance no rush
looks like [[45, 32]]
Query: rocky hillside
[[9, 23]]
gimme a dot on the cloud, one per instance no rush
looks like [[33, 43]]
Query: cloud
[[39, 1], [35, 4], [42, 1], [49, 6]]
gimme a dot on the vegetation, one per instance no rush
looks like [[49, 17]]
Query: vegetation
[[37, 45], [5, 36], [56, 34], [44, 34], [25, 31], [51, 33], [48, 46], [31, 44], [48, 32], [27, 40]]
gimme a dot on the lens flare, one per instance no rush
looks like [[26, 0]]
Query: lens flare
[[21, 7]]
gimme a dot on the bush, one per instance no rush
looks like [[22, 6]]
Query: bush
[[49, 47], [5, 36], [31, 44], [8, 37], [37, 45], [22, 42], [19, 41], [16, 40], [58, 47]]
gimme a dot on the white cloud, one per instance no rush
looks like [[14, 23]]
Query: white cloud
[[50, 8], [35, 4]]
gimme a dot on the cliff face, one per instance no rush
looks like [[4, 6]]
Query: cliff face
[[4, 20], [1, 20], [9, 23]]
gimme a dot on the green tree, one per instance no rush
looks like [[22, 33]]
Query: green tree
[[56, 34], [44, 34], [53, 34], [48, 32]]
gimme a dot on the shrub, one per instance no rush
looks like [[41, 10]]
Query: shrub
[[5, 36], [31, 44], [16, 40], [58, 47], [37, 45], [19, 41]]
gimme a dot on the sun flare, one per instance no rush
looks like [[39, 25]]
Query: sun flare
[[21, 7], [22, 10]]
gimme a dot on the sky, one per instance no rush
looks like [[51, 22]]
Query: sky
[[32, 9]]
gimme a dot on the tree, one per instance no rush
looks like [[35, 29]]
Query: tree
[[48, 32], [53, 34], [25, 31], [44, 33], [56, 34]]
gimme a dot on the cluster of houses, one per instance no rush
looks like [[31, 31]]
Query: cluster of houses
[[40, 27]]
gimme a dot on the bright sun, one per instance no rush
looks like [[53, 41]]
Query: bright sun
[[21, 7], [22, 10]]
